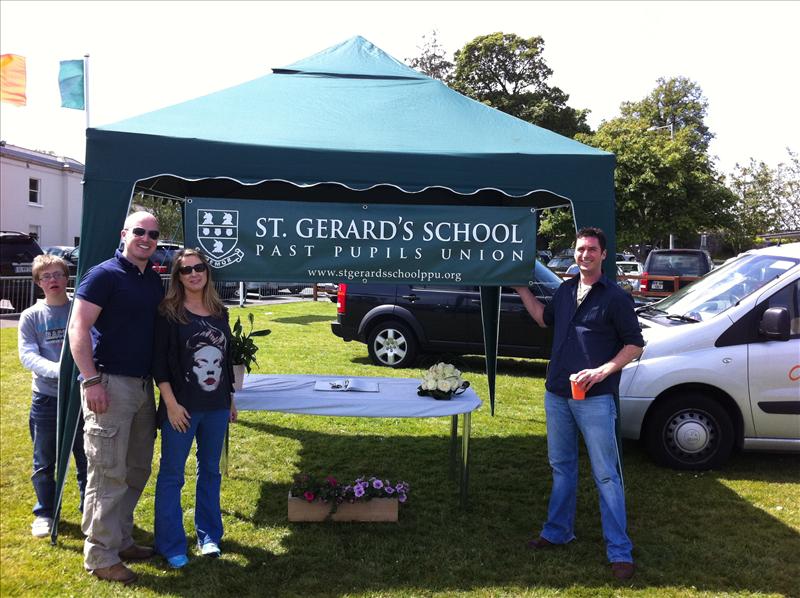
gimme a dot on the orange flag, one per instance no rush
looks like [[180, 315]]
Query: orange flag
[[12, 79]]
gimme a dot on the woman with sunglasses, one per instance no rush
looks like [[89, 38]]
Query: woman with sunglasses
[[193, 370]]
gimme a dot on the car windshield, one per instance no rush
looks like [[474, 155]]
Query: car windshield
[[18, 249], [676, 264], [560, 262], [628, 267], [724, 287], [546, 279]]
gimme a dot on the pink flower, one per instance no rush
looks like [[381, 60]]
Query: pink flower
[[308, 495], [331, 480]]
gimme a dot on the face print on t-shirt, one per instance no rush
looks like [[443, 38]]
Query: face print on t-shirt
[[207, 367], [207, 349]]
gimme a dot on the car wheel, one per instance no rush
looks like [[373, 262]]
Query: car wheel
[[689, 431], [392, 344]]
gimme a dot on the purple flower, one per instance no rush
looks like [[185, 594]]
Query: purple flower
[[377, 484], [358, 491], [401, 497], [389, 490]]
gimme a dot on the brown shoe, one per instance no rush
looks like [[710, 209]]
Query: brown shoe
[[134, 552], [622, 571], [540, 543], [118, 572]]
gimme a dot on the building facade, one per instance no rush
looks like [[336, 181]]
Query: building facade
[[41, 194]]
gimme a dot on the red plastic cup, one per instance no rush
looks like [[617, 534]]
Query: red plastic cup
[[578, 393]]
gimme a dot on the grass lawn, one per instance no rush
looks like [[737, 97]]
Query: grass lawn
[[734, 532]]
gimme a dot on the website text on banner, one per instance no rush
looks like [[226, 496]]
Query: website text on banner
[[287, 241]]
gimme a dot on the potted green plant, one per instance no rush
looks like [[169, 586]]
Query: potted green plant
[[244, 349]]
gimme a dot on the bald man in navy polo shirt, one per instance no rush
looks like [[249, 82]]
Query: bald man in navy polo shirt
[[111, 338]]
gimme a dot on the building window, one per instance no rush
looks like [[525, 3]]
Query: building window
[[35, 231], [33, 191]]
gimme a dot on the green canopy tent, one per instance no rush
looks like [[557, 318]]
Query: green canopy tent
[[349, 122]]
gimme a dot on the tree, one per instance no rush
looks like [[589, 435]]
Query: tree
[[663, 185], [767, 200], [676, 102], [507, 72], [665, 181], [557, 225], [167, 211], [432, 59]]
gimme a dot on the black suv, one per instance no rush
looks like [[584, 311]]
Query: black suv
[[687, 264], [398, 322], [17, 251]]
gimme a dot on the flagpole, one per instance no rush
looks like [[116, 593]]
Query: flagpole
[[86, 87]]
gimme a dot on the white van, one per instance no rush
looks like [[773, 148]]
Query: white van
[[721, 366]]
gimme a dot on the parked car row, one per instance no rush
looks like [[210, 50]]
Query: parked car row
[[720, 370]]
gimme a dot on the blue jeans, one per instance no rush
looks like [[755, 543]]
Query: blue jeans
[[209, 428], [42, 424], [594, 418]]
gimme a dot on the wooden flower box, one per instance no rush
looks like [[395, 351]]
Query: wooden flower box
[[377, 509]]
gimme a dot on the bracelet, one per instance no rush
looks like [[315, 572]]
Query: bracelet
[[91, 381]]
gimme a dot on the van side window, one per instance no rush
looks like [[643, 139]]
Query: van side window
[[788, 297]]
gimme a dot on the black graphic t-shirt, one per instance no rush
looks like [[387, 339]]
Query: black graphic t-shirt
[[203, 346]]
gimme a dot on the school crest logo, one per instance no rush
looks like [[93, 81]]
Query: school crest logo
[[218, 234]]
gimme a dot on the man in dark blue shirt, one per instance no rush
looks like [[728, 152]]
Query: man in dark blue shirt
[[111, 338], [595, 334]]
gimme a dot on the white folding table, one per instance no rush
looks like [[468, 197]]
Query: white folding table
[[396, 397]]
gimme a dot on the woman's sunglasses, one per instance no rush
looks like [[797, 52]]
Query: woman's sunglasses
[[201, 267], [138, 231]]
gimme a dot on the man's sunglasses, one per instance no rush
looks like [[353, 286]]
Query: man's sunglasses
[[201, 267], [139, 231]]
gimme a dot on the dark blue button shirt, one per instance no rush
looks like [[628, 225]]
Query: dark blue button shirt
[[590, 335], [123, 333]]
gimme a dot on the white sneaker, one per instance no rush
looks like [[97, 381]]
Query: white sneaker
[[210, 549], [41, 527]]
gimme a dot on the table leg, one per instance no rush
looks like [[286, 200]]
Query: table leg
[[465, 457], [453, 445]]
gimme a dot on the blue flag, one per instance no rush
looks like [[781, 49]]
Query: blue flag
[[70, 81]]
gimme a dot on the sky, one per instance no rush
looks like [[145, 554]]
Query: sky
[[149, 55]]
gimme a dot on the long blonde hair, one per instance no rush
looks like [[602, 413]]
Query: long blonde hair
[[172, 305]]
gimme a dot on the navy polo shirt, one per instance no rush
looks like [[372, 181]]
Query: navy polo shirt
[[590, 335], [123, 333]]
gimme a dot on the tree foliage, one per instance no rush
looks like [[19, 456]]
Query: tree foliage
[[507, 72], [767, 200], [432, 59], [557, 226], [665, 181], [167, 211], [678, 103]]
